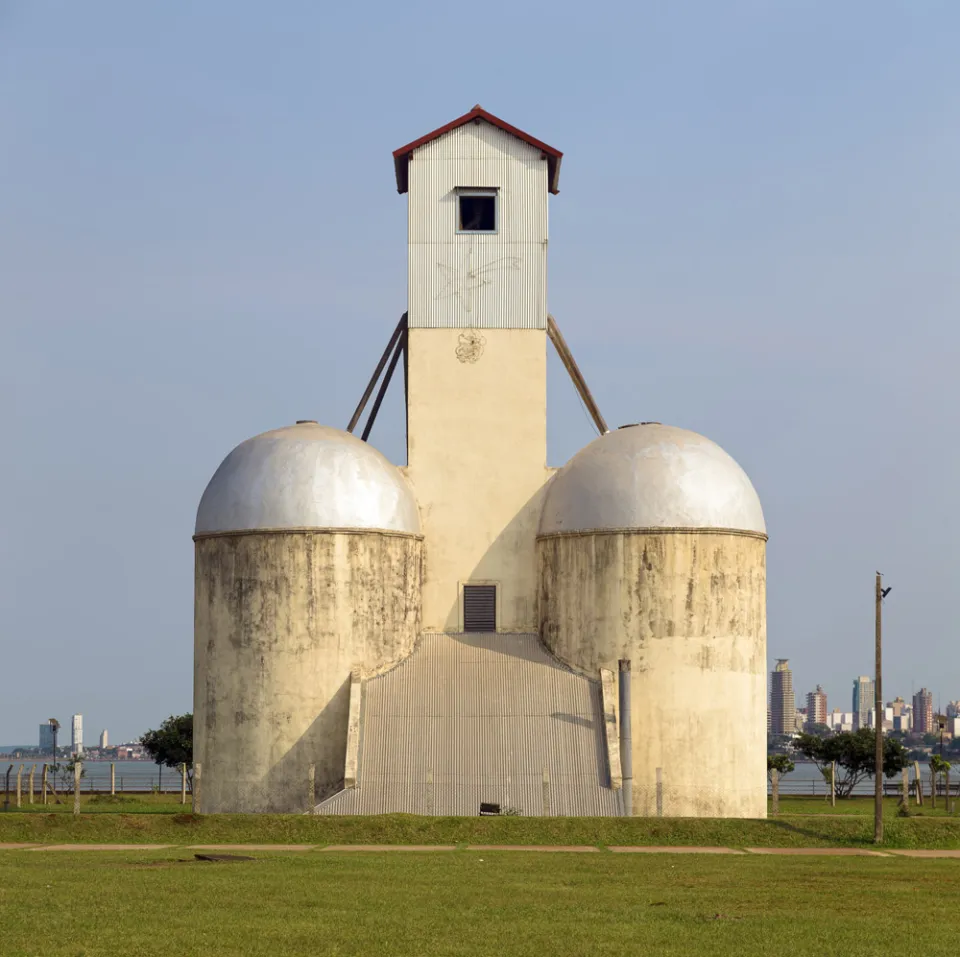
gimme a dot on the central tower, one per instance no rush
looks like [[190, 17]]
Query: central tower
[[477, 342]]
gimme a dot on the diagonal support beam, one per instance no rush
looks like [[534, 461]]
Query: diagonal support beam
[[400, 329], [399, 348], [573, 370]]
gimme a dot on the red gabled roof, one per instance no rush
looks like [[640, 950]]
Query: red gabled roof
[[401, 157]]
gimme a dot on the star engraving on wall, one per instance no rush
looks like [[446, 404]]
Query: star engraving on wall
[[466, 284]]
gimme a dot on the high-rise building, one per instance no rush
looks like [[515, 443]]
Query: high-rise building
[[76, 737], [816, 707], [104, 739], [923, 711], [783, 705], [46, 738], [953, 709], [862, 701]]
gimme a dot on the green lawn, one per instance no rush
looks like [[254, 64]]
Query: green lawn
[[105, 804], [784, 831], [473, 903], [864, 806]]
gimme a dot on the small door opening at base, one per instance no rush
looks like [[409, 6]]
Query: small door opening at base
[[480, 608]]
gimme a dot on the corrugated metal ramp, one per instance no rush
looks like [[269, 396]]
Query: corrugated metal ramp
[[480, 717]]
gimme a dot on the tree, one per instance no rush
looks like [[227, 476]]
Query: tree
[[780, 763], [172, 744], [939, 768], [855, 754], [63, 774]]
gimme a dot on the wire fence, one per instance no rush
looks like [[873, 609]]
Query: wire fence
[[25, 783]]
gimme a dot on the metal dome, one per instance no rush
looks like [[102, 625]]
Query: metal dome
[[307, 476], [651, 476]]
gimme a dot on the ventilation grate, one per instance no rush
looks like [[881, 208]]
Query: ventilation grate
[[480, 608]]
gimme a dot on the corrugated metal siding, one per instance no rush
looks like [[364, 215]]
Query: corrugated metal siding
[[514, 261], [481, 717]]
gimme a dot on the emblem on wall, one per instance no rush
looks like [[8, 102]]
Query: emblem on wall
[[470, 346], [465, 284]]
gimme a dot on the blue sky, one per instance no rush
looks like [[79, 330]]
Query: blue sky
[[200, 239]]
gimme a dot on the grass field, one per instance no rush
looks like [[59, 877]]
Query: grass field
[[170, 804], [473, 903], [784, 831], [159, 819]]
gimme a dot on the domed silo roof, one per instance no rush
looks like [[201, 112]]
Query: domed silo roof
[[650, 476], [307, 476]]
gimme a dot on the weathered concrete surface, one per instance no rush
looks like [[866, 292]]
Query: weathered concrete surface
[[281, 621], [477, 453], [353, 732], [608, 695], [688, 607]]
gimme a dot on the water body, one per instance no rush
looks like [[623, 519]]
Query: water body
[[130, 775], [145, 776]]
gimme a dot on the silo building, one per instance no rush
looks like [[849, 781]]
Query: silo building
[[443, 637]]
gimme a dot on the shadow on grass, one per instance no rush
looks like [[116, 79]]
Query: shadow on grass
[[809, 833]]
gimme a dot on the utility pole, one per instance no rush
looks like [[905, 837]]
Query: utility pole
[[878, 721]]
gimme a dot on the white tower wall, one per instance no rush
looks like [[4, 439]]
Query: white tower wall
[[477, 390]]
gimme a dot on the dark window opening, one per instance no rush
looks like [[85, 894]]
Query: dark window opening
[[477, 212], [480, 608]]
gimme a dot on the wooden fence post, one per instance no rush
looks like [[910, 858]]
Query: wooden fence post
[[43, 783], [833, 784], [775, 789], [918, 782], [33, 769], [197, 768], [19, 785], [113, 779], [77, 771], [183, 784], [933, 788], [905, 787]]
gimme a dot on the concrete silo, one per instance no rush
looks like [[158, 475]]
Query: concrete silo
[[652, 547], [308, 569]]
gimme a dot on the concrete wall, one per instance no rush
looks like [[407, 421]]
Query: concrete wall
[[281, 619], [477, 453], [688, 608]]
